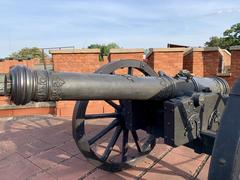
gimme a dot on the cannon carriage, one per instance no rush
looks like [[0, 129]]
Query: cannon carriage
[[183, 110]]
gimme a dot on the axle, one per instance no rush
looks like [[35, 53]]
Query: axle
[[24, 85]]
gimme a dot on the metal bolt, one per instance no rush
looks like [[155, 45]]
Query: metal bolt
[[222, 161]]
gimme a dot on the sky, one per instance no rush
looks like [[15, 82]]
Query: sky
[[129, 23]]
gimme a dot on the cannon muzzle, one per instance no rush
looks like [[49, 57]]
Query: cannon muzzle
[[24, 85]]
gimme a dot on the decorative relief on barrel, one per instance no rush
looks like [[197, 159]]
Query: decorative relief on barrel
[[57, 84], [42, 83], [167, 87]]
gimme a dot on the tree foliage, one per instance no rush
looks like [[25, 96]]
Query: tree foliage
[[231, 37], [104, 48], [28, 53]]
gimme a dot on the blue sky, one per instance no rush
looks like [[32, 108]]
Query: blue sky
[[131, 24]]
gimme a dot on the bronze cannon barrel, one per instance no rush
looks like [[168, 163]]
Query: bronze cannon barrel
[[24, 85]]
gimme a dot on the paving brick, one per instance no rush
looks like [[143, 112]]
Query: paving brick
[[3, 127], [49, 158], [7, 147], [4, 155], [17, 168], [66, 162], [188, 152], [73, 168], [54, 130], [41, 176], [163, 174], [80, 156], [138, 168], [33, 148], [17, 139], [204, 172], [70, 147], [173, 165], [103, 175], [10, 159], [56, 139]]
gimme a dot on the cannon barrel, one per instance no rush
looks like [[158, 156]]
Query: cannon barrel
[[24, 85]]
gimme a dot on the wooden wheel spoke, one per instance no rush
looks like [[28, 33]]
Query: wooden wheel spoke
[[136, 140], [124, 145], [113, 104], [150, 141], [113, 124], [111, 144], [114, 128], [98, 116], [130, 70]]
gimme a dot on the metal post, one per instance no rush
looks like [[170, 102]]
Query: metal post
[[43, 58]]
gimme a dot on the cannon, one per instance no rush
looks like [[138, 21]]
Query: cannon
[[182, 110]]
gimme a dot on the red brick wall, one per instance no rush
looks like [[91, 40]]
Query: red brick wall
[[76, 62], [48, 61], [168, 60], [126, 55], [211, 63], [5, 101], [203, 61], [208, 61], [150, 60], [7, 64], [27, 111], [84, 61], [188, 62], [117, 54], [235, 65]]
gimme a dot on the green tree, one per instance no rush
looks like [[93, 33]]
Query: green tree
[[28, 53], [104, 48], [231, 37], [214, 41]]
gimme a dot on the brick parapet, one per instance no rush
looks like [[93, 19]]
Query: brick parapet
[[235, 64], [74, 60], [169, 60], [117, 54]]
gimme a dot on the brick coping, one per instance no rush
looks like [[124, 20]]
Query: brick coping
[[168, 49], [152, 50], [235, 48], [74, 51], [135, 50], [202, 49], [29, 105], [224, 74], [226, 51], [19, 59]]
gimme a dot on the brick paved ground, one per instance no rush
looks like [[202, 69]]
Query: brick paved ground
[[41, 147]]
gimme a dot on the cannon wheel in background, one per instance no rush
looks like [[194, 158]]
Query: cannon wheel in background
[[117, 125], [225, 162]]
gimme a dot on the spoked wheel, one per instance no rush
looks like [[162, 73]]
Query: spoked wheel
[[103, 138]]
